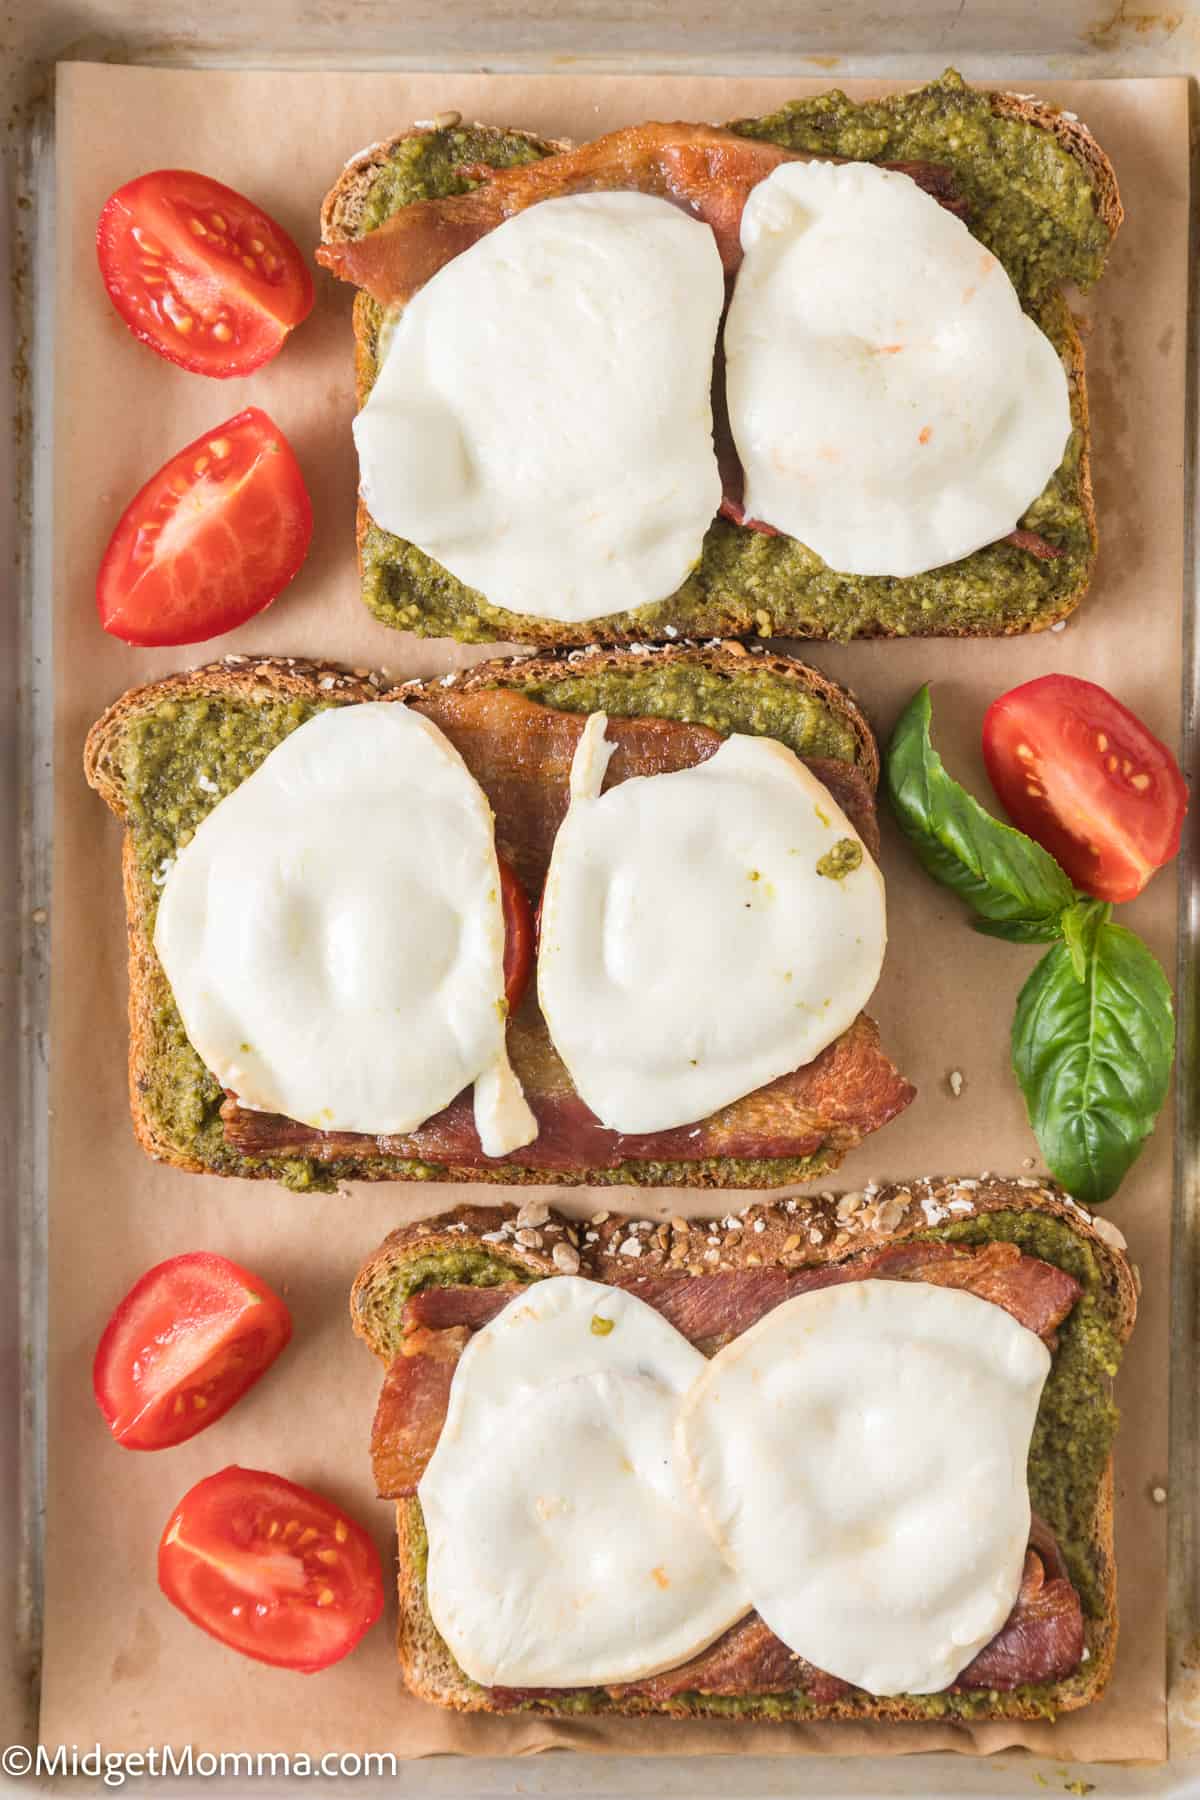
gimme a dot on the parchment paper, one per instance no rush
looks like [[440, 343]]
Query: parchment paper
[[120, 1665]]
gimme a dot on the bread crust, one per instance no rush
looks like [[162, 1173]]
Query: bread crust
[[245, 679], [341, 216], [807, 1230]]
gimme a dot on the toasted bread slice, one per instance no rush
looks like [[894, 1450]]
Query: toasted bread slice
[[175, 1101], [749, 583], [479, 1245]]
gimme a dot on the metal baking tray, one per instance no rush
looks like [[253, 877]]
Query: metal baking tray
[[1011, 42]]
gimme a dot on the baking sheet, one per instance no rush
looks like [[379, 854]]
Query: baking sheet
[[119, 1664]]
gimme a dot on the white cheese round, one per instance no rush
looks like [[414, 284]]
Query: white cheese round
[[860, 1455], [564, 1550], [333, 933], [542, 422], [893, 407], [691, 949]]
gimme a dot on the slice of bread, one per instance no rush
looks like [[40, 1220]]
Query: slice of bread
[[1070, 1484], [159, 759], [748, 583]]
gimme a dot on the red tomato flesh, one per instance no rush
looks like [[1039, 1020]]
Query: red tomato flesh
[[200, 273], [271, 1569], [1082, 775], [187, 1340], [518, 936], [210, 540]]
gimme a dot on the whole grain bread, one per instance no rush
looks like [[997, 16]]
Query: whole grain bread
[[248, 681], [342, 216], [815, 1229]]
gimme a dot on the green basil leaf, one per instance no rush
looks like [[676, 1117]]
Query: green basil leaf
[[997, 870], [1079, 926], [1020, 931], [1093, 1055]]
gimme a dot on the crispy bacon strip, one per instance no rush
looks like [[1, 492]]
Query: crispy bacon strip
[[749, 1659], [850, 1089], [520, 753], [709, 1310], [416, 1389], [1042, 1639], [706, 170]]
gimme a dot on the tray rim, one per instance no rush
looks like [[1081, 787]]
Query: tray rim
[[24, 987]]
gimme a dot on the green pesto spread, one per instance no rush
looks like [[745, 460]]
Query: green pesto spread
[[1030, 202], [842, 860], [178, 762], [1072, 1439], [383, 1306]]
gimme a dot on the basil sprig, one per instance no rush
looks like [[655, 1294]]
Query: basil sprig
[[1016, 888], [1094, 1033]]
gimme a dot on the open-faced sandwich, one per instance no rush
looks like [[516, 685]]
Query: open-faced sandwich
[[832, 1458], [330, 891], [840, 327]]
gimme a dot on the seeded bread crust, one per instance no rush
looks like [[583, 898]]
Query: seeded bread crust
[[815, 1229], [247, 680], [342, 216]]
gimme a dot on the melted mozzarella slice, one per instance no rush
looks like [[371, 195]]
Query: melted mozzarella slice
[[542, 422], [893, 407], [860, 1455], [333, 933], [700, 933], [564, 1550]]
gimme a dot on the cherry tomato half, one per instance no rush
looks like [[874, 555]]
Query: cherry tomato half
[[1082, 775], [210, 540], [200, 273], [187, 1340], [271, 1569], [518, 936]]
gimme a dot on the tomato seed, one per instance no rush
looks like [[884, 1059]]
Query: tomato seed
[[222, 332]]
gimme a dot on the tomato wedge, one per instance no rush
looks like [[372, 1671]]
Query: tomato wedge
[[187, 1340], [1082, 775], [210, 540], [518, 935], [271, 1569], [200, 273]]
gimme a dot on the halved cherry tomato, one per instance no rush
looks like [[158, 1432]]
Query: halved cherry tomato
[[271, 1569], [187, 1340], [200, 273], [1082, 775], [210, 540], [518, 935]]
